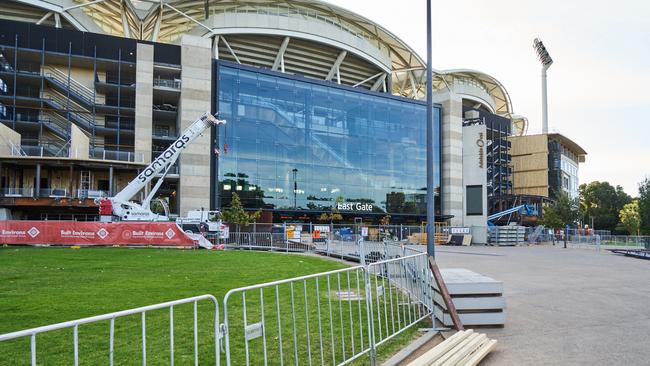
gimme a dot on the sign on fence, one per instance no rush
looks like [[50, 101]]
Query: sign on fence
[[322, 228], [92, 233], [459, 230], [224, 231]]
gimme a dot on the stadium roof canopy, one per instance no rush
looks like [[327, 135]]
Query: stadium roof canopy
[[475, 85], [309, 37]]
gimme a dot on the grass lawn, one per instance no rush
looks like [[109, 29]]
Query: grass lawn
[[41, 286]]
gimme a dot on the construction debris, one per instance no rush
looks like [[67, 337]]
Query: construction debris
[[478, 299], [464, 348], [441, 288]]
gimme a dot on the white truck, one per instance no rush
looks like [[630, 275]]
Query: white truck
[[202, 221], [120, 207]]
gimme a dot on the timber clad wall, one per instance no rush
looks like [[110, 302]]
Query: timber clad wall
[[530, 164]]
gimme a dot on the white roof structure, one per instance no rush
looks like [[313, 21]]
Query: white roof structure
[[309, 37]]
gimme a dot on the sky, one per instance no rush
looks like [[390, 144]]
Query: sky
[[598, 85]]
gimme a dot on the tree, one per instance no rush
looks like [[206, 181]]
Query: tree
[[237, 215], [334, 214], [644, 206], [630, 217], [564, 211], [385, 221], [238, 183], [602, 202]]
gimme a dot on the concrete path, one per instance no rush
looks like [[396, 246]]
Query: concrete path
[[565, 306]]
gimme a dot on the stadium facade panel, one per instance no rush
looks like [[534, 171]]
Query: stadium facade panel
[[300, 148]]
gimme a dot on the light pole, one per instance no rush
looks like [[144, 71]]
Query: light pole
[[546, 61], [295, 186], [431, 219]]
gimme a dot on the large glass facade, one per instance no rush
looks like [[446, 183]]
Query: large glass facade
[[298, 148]]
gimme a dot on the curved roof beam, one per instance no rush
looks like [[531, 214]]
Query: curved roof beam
[[69, 10]]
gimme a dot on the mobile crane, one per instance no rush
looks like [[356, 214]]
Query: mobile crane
[[121, 207], [527, 210]]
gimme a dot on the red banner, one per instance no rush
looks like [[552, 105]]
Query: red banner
[[93, 233]]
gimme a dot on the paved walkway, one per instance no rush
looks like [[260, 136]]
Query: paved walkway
[[565, 306]]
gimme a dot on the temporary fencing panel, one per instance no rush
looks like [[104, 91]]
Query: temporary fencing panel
[[319, 318], [401, 295], [259, 241], [332, 317], [124, 336], [327, 318]]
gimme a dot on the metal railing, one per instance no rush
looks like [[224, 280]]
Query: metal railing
[[283, 314], [335, 244], [58, 124], [403, 295], [333, 317], [374, 232], [43, 149], [61, 104], [17, 192], [258, 241], [610, 241], [91, 193], [102, 154], [65, 82], [111, 317], [69, 217], [54, 192], [167, 83]]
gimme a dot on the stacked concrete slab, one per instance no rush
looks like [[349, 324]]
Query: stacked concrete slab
[[478, 299], [507, 235]]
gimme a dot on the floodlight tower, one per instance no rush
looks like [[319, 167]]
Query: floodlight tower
[[546, 61]]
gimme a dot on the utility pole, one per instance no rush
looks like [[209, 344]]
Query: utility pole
[[295, 186], [431, 219]]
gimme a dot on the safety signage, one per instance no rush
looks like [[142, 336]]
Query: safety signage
[[322, 228], [364, 231], [459, 230], [224, 231], [92, 233]]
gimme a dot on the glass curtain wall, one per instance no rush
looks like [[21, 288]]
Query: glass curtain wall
[[301, 147]]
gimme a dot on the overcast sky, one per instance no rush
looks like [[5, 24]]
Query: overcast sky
[[599, 84]]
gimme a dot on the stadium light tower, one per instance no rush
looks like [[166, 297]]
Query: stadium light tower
[[546, 61]]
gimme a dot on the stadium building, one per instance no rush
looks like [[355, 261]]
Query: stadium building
[[325, 108]]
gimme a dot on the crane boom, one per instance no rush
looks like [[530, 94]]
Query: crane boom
[[125, 209], [529, 211]]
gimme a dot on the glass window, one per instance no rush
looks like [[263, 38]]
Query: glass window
[[474, 200], [359, 146]]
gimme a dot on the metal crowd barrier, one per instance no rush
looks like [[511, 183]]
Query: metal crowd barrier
[[326, 312], [402, 292], [333, 317], [142, 311], [260, 241]]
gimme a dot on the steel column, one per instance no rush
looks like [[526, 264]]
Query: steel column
[[37, 182], [110, 181], [430, 157], [544, 103]]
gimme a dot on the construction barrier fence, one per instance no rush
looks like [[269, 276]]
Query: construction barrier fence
[[333, 318]]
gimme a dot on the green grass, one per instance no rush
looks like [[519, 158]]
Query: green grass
[[42, 286]]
